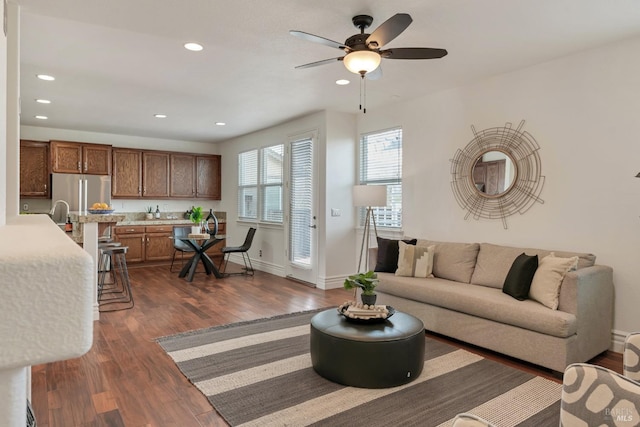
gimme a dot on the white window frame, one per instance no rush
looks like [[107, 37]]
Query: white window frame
[[389, 217]]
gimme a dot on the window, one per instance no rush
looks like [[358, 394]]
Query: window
[[271, 183], [260, 177], [381, 164], [248, 185]]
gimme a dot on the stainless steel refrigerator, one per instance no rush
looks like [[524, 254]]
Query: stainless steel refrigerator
[[79, 191]]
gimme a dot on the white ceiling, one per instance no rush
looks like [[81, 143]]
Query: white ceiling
[[119, 62]]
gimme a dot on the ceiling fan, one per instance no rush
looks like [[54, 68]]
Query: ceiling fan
[[363, 53]]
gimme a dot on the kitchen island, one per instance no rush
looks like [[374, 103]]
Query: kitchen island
[[90, 227]]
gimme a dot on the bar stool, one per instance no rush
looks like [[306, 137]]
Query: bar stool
[[119, 292], [104, 263]]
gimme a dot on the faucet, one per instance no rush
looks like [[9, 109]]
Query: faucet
[[55, 204]]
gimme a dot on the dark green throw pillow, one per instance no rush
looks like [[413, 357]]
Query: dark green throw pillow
[[518, 280], [387, 261]]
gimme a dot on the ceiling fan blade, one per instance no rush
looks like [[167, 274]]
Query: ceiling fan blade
[[317, 39], [375, 74], [324, 61], [389, 29], [413, 53]]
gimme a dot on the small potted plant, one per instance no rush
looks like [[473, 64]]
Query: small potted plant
[[365, 281], [196, 218], [149, 214]]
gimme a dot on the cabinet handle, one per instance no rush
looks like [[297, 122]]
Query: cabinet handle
[[144, 191], [85, 166], [80, 166], [130, 230], [45, 187]]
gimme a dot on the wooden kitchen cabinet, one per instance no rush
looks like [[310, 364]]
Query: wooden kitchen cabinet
[[34, 170], [159, 245], [134, 238], [126, 181], [208, 183], [155, 174], [182, 175], [77, 157]]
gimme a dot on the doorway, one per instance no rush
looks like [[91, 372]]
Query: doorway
[[301, 218]]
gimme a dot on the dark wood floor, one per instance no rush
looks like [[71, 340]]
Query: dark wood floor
[[126, 379]]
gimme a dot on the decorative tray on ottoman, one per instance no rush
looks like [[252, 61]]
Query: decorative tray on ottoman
[[359, 313]]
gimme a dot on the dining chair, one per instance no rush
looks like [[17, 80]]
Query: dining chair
[[248, 268], [179, 232]]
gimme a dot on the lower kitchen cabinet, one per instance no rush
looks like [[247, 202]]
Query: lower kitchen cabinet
[[154, 243]]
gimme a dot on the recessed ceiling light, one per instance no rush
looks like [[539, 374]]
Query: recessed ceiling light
[[45, 77], [220, 123], [160, 116], [195, 47], [342, 82], [42, 117], [43, 101]]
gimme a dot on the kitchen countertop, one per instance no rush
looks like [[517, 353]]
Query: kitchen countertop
[[161, 222]]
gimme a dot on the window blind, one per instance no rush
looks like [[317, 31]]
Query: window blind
[[381, 164], [248, 184], [271, 183], [301, 202]]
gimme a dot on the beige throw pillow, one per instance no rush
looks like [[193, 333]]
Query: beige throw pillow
[[415, 261], [545, 287]]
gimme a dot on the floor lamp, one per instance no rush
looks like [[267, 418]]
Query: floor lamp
[[368, 196]]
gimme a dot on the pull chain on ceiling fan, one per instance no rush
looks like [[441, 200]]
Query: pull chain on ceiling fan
[[363, 53]]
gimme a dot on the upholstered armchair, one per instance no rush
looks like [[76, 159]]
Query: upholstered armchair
[[593, 395]]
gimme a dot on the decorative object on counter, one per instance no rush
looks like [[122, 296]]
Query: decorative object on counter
[[157, 211], [149, 214], [100, 208], [68, 226], [365, 281], [187, 214], [363, 313], [196, 218], [211, 223]]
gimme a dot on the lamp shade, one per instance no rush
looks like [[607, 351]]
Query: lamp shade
[[362, 61], [370, 195]]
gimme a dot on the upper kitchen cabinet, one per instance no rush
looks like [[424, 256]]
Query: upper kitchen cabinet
[[34, 170], [75, 157], [208, 183], [182, 175], [126, 181], [155, 174]]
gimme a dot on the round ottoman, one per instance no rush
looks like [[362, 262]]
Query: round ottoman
[[374, 355]]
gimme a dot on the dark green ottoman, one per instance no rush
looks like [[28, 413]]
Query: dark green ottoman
[[377, 355]]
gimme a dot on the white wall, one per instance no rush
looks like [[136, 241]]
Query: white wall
[[583, 111], [123, 141]]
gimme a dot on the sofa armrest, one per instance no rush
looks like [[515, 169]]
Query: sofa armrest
[[587, 287], [588, 294]]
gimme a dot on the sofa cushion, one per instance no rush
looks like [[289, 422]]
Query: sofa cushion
[[415, 261], [494, 262], [453, 261], [545, 287], [518, 281], [388, 254], [480, 301]]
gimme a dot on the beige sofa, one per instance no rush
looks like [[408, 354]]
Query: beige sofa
[[464, 300]]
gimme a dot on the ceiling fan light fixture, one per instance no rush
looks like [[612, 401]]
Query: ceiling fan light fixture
[[362, 61]]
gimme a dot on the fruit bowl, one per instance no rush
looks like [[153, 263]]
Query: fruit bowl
[[100, 211]]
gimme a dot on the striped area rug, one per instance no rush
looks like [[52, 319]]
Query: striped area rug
[[259, 373]]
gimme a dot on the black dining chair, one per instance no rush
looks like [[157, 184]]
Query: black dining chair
[[178, 245], [248, 268]]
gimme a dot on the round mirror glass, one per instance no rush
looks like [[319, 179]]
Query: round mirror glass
[[494, 173]]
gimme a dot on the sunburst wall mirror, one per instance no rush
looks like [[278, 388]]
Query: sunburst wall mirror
[[498, 173]]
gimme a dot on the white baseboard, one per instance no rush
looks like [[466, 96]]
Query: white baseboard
[[332, 282], [276, 270], [617, 340]]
